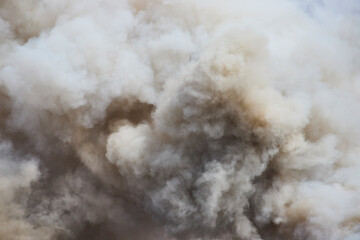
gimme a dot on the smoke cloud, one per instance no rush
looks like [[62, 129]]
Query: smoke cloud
[[179, 119]]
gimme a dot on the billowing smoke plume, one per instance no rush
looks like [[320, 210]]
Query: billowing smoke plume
[[179, 119]]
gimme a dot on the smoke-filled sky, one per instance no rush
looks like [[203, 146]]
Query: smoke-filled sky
[[179, 119]]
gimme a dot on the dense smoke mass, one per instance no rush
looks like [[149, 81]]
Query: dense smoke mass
[[179, 119]]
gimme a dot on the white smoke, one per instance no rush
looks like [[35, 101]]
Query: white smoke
[[181, 119]]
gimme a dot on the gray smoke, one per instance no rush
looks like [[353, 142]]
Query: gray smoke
[[179, 119]]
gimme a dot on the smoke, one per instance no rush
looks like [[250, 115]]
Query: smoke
[[179, 119]]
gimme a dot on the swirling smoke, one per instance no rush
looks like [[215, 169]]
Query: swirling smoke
[[179, 119]]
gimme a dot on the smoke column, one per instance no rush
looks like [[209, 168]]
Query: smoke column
[[179, 119]]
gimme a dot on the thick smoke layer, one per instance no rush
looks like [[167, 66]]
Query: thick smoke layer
[[179, 119]]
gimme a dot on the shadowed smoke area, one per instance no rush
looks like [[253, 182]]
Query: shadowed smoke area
[[179, 119]]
